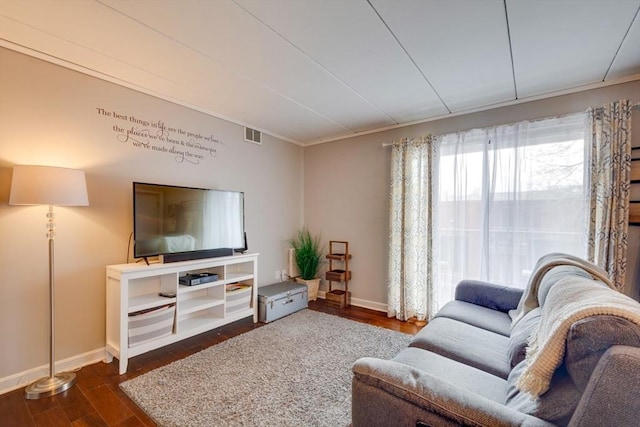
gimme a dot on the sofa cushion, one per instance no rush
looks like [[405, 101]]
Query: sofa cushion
[[589, 338], [455, 373], [465, 343], [477, 315], [418, 387], [520, 334], [556, 405]]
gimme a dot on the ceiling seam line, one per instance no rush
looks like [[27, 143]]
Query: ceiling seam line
[[409, 56], [71, 42], [343, 83], [269, 88], [97, 74], [513, 66], [615, 55], [488, 107]]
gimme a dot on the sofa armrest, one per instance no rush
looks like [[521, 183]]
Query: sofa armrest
[[490, 295], [611, 393], [386, 393]]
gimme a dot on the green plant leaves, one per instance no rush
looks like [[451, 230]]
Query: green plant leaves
[[308, 253]]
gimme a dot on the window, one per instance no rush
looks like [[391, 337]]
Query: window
[[505, 196]]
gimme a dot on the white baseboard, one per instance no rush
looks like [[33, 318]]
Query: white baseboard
[[358, 302], [372, 305], [22, 379]]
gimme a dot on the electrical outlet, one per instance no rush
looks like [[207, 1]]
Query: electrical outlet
[[284, 274], [278, 276]]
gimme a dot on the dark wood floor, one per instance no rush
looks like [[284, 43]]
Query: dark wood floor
[[96, 399]]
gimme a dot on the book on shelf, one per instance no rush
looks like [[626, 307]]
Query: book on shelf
[[231, 287]]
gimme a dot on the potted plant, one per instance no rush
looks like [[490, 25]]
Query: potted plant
[[307, 252]]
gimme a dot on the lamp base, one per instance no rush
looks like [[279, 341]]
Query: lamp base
[[50, 386]]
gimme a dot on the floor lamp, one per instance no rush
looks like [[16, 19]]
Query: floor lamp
[[53, 186]]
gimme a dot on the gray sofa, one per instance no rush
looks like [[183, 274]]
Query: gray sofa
[[463, 367]]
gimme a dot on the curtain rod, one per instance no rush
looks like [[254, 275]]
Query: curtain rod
[[634, 107]]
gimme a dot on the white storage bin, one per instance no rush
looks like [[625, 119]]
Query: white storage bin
[[149, 325], [237, 297]]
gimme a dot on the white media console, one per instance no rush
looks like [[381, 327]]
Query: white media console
[[140, 320]]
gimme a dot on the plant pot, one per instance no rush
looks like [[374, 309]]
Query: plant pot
[[312, 287]]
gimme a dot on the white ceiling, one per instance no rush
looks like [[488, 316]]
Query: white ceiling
[[315, 70]]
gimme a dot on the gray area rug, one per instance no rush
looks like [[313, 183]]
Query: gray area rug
[[295, 371]]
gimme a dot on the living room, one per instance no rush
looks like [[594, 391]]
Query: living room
[[56, 114]]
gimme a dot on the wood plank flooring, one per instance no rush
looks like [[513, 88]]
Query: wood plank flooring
[[96, 399]]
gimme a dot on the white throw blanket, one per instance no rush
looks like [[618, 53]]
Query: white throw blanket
[[529, 299], [569, 300]]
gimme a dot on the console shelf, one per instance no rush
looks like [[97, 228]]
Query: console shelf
[[145, 302], [238, 277], [182, 289], [133, 294], [195, 305]]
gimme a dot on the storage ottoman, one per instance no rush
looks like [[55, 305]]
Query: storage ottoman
[[280, 299]]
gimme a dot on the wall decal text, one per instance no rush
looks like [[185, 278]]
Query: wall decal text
[[159, 137]]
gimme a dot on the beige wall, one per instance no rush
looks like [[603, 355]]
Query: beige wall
[[347, 184], [49, 116]]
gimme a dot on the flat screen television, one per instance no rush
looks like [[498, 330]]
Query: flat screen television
[[185, 222]]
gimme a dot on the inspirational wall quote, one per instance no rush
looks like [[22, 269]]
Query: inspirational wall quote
[[158, 137]]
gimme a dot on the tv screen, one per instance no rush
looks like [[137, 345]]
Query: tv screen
[[170, 219]]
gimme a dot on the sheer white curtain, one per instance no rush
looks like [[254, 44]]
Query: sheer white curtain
[[506, 196], [483, 204]]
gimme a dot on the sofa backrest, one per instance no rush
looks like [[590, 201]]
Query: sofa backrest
[[590, 338], [556, 274], [587, 341]]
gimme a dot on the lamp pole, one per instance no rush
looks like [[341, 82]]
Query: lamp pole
[[53, 384]]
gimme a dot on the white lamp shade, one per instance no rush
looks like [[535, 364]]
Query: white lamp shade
[[47, 185]]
